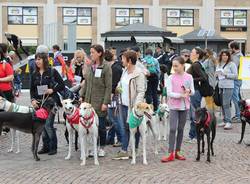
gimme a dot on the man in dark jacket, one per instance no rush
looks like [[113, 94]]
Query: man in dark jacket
[[16, 42], [167, 59]]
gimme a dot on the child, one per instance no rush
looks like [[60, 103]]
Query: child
[[17, 82], [179, 88]]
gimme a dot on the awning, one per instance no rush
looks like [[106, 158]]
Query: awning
[[29, 42], [149, 39], [118, 38], [175, 39]]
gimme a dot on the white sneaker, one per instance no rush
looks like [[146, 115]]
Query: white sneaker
[[228, 126], [101, 153], [222, 124], [190, 141]]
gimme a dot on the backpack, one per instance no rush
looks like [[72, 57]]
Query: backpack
[[204, 87], [150, 64]]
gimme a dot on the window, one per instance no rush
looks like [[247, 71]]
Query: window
[[79, 16], [22, 15], [126, 16], [180, 17], [233, 20]]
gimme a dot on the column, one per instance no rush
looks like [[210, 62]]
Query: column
[[248, 33], [4, 22], [155, 14], [207, 14], [103, 20], [1, 27]]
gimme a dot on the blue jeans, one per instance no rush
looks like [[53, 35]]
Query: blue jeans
[[226, 99], [123, 114], [49, 134], [195, 103], [116, 129], [236, 97], [102, 131]]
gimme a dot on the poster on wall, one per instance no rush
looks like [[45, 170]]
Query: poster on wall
[[122, 12], [173, 13], [227, 14], [15, 20], [69, 12], [29, 11], [227, 22], [173, 21], [15, 11], [239, 14], [69, 20], [136, 12], [240, 22], [186, 21], [84, 20], [244, 71], [85, 12], [29, 19], [122, 21], [134, 20], [186, 13]]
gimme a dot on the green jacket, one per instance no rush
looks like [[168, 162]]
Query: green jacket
[[97, 90]]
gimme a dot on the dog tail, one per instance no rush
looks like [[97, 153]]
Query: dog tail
[[149, 126]]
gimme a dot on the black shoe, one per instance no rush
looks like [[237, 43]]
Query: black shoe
[[43, 151], [52, 152]]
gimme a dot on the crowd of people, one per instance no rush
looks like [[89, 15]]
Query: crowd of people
[[114, 83]]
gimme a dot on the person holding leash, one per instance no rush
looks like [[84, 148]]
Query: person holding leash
[[97, 90], [43, 85], [180, 87]]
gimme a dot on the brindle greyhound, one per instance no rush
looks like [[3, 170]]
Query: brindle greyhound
[[28, 123]]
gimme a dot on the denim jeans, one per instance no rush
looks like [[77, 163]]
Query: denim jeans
[[195, 103], [49, 134], [102, 131], [151, 93], [236, 97], [227, 94], [116, 129], [123, 114]]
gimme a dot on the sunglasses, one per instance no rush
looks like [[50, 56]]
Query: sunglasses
[[186, 55]]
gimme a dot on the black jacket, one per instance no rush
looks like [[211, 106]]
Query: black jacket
[[167, 59], [46, 79], [116, 74], [197, 73]]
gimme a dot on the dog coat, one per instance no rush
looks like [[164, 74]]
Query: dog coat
[[74, 118], [246, 112], [86, 119], [160, 114], [208, 120], [42, 114], [134, 121]]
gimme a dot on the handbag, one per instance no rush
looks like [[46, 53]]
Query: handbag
[[217, 96]]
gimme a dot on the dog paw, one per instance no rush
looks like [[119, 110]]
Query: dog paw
[[67, 158], [17, 152], [96, 163], [156, 153], [145, 163], [83, 164], [197, 159], [37, 159], [164, 138], [133, 162], [208, 161]]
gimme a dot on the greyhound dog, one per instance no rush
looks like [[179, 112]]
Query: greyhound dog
[[244, 116], [140, 119], [32, 122], [72, 121], [205, 124], [12, 107], [88, 128]]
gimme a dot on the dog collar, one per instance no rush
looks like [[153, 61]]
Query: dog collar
[[74, 118]]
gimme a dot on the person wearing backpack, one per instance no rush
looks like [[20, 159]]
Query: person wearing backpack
[[47, 77], [153, 68], [199, 76], [226, 73], [209, 66]]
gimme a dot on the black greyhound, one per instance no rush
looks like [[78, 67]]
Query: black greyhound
[[245, 118], [28, 123], [205, 124]]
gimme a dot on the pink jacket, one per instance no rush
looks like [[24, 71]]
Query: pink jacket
[[175, 87]]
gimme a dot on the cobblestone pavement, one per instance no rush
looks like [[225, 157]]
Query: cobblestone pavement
[[230, 165]]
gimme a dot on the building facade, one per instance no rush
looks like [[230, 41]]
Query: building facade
[[45, 21]]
